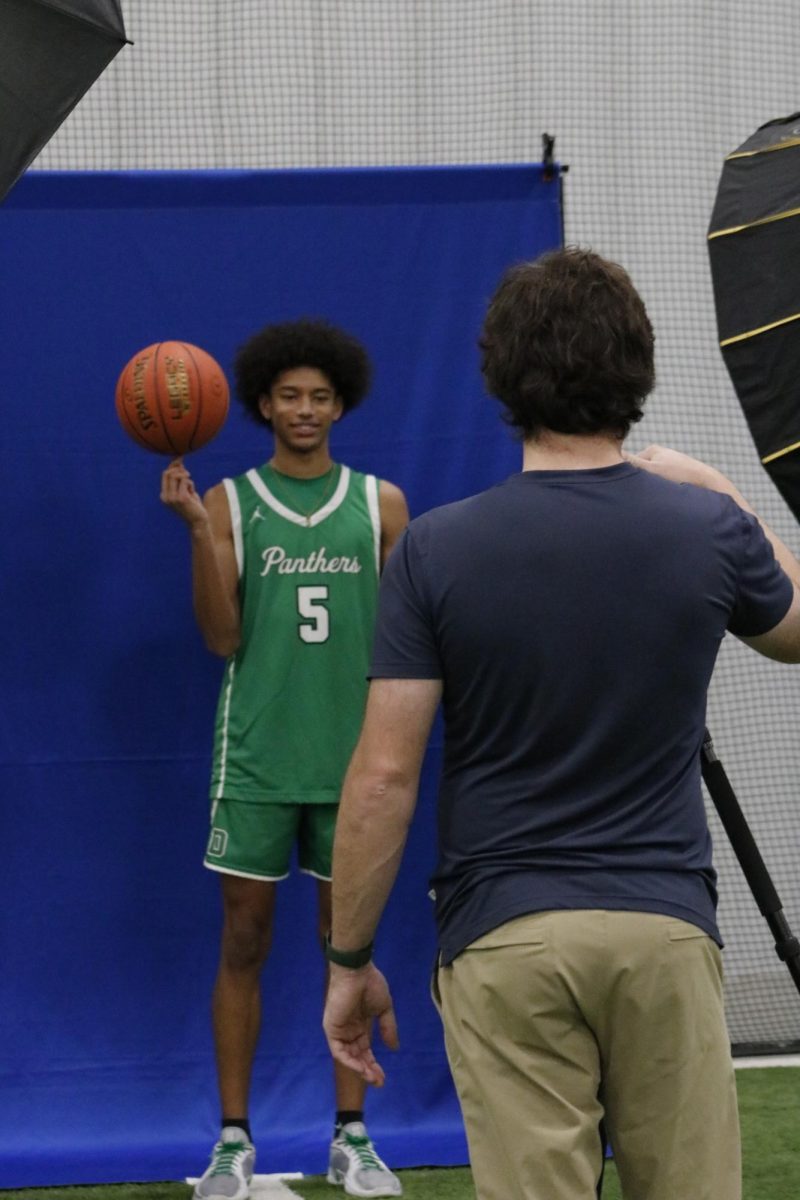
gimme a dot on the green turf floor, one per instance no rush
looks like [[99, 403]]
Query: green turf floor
[[769, 1103]]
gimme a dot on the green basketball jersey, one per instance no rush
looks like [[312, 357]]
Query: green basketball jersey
[[293, 695]]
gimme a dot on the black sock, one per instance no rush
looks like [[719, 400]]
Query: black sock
[[240, 1123], [344, 1116]]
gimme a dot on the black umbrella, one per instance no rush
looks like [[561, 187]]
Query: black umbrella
[[51, 52], [754, 244]]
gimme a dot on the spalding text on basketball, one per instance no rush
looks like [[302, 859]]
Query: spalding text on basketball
[[140, 402]]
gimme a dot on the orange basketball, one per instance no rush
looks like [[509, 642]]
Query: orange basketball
[[172, 397]]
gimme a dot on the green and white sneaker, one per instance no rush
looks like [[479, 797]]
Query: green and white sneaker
[[231, 1168], [354, 1164]]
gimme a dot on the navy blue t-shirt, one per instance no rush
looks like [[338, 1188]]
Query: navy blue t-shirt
[[574, 618]]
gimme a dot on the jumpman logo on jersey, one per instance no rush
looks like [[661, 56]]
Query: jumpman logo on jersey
[[257, 515]]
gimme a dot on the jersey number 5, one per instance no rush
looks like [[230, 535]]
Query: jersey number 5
[[317, 626]]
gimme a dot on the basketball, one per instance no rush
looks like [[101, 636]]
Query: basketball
[[172, 397]]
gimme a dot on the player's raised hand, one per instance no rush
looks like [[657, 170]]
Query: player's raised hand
[[355, 999], [178, 493]]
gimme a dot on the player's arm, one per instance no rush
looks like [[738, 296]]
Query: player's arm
[[215, 575], [394, 516], [783, 641]]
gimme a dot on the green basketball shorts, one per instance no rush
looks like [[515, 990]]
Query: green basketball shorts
[[256, 840]]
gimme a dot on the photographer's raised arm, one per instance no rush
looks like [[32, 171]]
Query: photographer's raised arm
[[782, 642], [215, 574]]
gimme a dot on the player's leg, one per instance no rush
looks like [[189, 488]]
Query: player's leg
[[250, 846], [248, 908], [354, 1163], [669, 1089], [525, 1064]]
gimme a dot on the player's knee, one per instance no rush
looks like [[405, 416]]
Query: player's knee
[[245, 944]]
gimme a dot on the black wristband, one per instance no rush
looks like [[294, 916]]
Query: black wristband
[[348, 958]]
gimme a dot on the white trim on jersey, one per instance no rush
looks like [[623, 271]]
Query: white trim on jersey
[[374, 506], [289, 514], [223, 757], [336, 499], [236, 522]]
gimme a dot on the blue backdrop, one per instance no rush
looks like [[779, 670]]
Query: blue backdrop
[[109, 931]]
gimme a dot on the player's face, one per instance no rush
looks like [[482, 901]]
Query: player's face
[[302, 405]]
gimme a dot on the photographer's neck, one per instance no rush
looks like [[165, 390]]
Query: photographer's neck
[[550, 451]]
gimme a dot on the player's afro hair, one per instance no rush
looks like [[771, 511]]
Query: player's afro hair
[[305, 343]]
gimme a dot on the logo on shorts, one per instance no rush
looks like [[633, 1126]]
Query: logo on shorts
[[217, 843]]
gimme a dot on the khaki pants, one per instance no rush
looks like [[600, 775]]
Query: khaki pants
[[558, 1020]]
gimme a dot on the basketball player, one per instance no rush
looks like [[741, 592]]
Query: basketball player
[[580, 973], [285, 566]]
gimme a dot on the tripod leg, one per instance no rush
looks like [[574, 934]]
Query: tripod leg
[[747, 852]]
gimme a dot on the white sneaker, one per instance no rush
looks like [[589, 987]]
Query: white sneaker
[[355, 1165], [231, 1169]]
